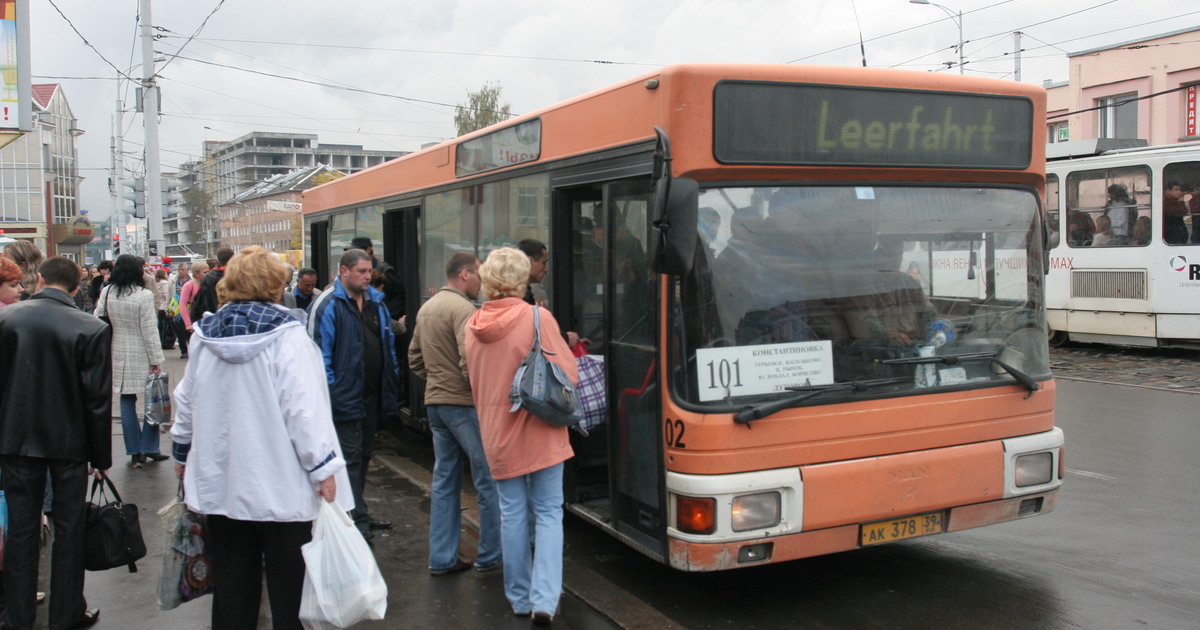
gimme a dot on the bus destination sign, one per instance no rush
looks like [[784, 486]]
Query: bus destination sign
[[800, 124]]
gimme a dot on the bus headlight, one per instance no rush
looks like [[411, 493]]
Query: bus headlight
[[1034, 469], [694, 515], [755, 511]]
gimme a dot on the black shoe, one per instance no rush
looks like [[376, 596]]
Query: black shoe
[[374, 524], [90, 617], [137, 460], [368, 535], [484, 568], [542, 619], [458, 566], [155, 457]]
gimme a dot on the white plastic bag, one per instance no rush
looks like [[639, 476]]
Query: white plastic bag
[[342, 583]]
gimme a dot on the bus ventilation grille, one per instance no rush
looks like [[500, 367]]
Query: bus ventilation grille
[[1127, 285]]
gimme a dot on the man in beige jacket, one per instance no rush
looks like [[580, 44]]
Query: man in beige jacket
[[438, 355]]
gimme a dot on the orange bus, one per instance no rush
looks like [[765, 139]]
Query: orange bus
[[817, 293]]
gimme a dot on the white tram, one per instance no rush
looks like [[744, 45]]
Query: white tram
[[1124, 246]]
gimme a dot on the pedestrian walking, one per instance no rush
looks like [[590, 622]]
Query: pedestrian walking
[[55, 424], [306, 288], [258, 465], [166, 330], [205, 300], [99, 280], [136, 352], [186, 294], [350, 324], [525, 454], [437, 354]]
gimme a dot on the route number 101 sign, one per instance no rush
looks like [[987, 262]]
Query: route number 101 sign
[[748, 370]]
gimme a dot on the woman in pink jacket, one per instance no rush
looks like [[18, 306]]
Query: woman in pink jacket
[[186, 294], [525, 454]]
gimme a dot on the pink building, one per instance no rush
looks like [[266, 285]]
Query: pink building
[[1146, 88]]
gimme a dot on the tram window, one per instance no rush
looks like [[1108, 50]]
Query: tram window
[[1052, 211], [1105, 207], [1181, 203]]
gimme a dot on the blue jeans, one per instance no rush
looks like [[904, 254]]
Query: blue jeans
[[141, 438], [456, 433], [533, 576]]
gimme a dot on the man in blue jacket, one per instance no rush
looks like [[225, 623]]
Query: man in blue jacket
[[351, 325]]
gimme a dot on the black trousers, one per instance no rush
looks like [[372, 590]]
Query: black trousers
[[357, 439], [181, 333], [23, 480], [240, 550]]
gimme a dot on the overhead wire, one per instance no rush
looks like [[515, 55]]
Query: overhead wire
[[341, 103], [204, 23], [85, 40], [438, 52]]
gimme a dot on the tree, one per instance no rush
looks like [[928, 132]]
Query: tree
[[481, 109], [202, 217]]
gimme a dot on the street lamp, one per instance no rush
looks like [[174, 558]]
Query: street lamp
[[957, 17]]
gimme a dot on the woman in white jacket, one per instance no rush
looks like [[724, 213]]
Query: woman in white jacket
[[254, 443], [136, 352]]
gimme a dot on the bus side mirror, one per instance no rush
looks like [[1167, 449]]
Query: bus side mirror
[[673, 246]]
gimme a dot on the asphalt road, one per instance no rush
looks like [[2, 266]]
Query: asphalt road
[[1118, 552]]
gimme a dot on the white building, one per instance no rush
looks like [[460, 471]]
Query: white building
[[43, 165]]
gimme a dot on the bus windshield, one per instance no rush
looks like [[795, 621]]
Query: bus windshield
[[806, 287]]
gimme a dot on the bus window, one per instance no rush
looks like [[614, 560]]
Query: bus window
[[1104, 206], [1052, 211], [1181, 203], [449, 229], [858, 277]]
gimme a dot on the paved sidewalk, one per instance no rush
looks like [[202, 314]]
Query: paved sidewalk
[[467, 600]]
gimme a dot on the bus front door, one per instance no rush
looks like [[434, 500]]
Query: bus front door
[[614, 305]]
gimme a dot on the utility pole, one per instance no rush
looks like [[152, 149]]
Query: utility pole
[[117, 172], [1017, 56], [154, 211]]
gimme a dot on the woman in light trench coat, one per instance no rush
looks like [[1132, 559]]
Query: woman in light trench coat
[[136, 352]]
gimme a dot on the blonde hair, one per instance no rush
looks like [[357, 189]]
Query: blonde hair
[[199, 266], [28, 257], [505, 273], [253, 275]]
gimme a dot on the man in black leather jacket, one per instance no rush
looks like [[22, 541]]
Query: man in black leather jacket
[[56, 418]]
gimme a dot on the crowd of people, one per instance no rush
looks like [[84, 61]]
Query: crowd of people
[[283, 393]]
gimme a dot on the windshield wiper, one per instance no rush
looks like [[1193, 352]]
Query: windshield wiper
[[954, 359], [754, 412]]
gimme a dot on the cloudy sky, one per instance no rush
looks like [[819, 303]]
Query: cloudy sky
[[420, 58]]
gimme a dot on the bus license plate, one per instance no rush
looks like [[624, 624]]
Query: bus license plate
[[901, 528]]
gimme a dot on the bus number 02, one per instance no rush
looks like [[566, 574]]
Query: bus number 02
[[674, 430], [724, 373]]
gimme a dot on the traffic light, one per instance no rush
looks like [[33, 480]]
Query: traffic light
[[136, 194], [116, 245], [170, 196]]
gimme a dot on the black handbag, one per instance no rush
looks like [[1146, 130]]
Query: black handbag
[[114, 536]]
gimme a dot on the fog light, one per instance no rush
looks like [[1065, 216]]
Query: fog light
[[755, 553], [755, 511], [1034, 469], [695, 516]]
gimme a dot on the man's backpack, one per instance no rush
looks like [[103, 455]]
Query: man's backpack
[[541, 387]]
